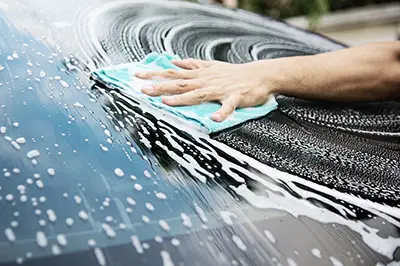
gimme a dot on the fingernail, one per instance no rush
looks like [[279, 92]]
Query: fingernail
[[148, 89], [140, 74], [166, 100], [217, 117]]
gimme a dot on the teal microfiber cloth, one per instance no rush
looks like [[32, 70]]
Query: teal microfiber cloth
[[122, 77]]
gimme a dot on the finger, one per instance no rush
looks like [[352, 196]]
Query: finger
[[191, 98], [228, 107], [169, 73], [192, 63], [172, 87]]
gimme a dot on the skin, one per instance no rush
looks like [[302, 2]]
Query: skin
[[364, 73]]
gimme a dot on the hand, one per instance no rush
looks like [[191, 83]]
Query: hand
[[233, 85]]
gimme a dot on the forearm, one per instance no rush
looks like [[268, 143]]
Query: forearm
[[364, 73]]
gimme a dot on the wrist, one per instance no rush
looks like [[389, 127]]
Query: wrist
[[284, 75]]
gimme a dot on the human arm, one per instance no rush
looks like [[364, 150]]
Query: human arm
[[363, 73]]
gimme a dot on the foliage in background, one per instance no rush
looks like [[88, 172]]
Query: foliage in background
[[313, 9]]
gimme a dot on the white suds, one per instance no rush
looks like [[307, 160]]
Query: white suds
[[10, 234], [316, 253], [335, 261], [270, 236], [62, 240], [239, 243], [138, 187], [69, 221], [32, 154], [227, 217], [55, 249], [118, 172], [101, 259], [51, 215], [136, 244], [77, 199], [164, 225], [21, 140], [108, 230], [166, 258], [131, 201], [83, 215], [51, 171], [186, 220], [149, 206], [201, 213], [41, 239], [161, 195]]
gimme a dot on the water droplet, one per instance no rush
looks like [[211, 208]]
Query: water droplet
[[10, 234], [14, 224], [161, 195], [107, 132], [15, 145], [147, 173], [186, 220], [77, 199], [62, 240], [39, 183], [119, 172], [316, 253], [175, 242], [78, 104], [51, 171], [51, 215], [69, 221], [138, 187], [101, 259], [239, 243], [149, 206], [55, 249], [166, 258], [131, 201], [32, 154], [64, 84], [269, 236], [145, 219], [23, 198], [108, 230], [83, 215], [92, 242], [9, 197], [164, 225], [41, 239], [136, 244]]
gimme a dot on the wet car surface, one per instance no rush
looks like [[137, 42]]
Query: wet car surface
[[94, 177]]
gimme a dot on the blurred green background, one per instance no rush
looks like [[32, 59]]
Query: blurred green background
[[312, 9]]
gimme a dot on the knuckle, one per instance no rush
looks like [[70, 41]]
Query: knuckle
[[200, 94], [171, 72], [182, 83]]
